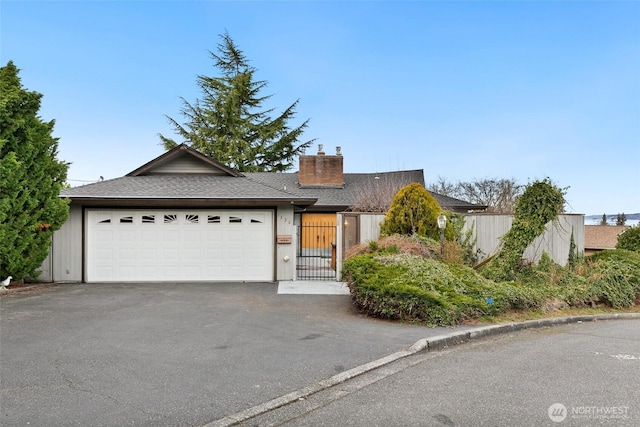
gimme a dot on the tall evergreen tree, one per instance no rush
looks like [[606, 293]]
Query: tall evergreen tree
[[603, 221], [621, 219], [228, 123], [573, 256], [31, 178]]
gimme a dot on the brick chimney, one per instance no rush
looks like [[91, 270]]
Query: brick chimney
[[321, 170]]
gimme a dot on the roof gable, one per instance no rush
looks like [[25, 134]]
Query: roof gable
[[183, 160]]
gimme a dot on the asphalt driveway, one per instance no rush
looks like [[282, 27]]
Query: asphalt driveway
[[174, 354]]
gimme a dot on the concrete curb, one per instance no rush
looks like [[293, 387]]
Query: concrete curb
[[435, 343]]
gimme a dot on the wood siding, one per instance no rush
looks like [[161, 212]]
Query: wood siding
[[185, 164], [369, 229], [46, 269], [65, 254], [370, 226], [555, 241]]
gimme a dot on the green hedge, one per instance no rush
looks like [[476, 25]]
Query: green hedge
[[418, 289], [614, 277], [413, 288]]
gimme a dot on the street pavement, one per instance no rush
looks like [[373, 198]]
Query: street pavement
[[174, 354], [584, 374]]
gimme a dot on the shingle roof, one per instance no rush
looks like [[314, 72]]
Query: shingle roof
[[602, 236], [154, 183], [183, 186], [257, 186], [354, 183], [341, 198], [457, 205]]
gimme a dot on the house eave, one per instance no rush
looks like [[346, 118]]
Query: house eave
[[188, 202], [327, 208]]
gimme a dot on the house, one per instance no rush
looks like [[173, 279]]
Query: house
[[601, 237], [186, 217]]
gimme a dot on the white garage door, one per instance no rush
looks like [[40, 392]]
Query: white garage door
[[179, 245]]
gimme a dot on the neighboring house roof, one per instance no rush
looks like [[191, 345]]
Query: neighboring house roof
[[185, 177], [600, 237], [457, 205]]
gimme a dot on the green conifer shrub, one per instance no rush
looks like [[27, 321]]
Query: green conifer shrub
[[414, 211]]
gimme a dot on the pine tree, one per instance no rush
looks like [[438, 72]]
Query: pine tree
[[31, 178], [227, 124], [621, 219], [603, 221]]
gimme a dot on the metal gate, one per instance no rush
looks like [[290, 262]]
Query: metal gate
[[316, 252]]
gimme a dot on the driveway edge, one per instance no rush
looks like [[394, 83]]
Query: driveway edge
[[24, 288], [435, 343]]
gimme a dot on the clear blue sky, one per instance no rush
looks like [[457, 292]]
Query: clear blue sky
[[463, 90]]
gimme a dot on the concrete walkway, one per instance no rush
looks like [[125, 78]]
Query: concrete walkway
[[313, 287]]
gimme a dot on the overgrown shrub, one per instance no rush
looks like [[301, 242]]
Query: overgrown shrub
[[515, 296], [394, 279], [610, 278], [413, 245], [407, 287], [614, 277], [540, 203], [454, 250], [613, 285], [630, 239], [617, 255], [464, 251]]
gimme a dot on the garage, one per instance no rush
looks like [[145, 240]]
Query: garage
[[179, 245]]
